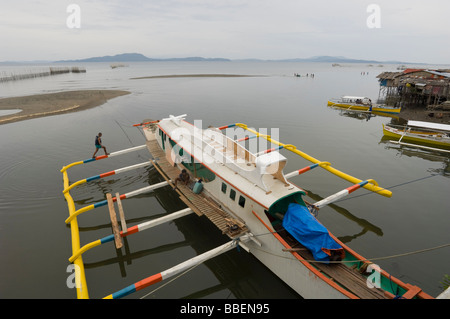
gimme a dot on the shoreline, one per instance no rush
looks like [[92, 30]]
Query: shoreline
[[417, 114], [40, 105], [47, 104]]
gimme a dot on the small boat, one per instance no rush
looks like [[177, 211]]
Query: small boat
[[359, 103], [118, 65], [426, 133]]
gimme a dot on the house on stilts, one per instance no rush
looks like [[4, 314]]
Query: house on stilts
[[416, 88]]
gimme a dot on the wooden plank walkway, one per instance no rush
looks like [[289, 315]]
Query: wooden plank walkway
[[199, 203]]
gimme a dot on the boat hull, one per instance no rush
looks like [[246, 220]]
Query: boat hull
[[358, 107], [303, 278], [416, 137]]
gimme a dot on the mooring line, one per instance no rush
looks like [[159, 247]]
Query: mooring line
[[398, 185], [358, 260]]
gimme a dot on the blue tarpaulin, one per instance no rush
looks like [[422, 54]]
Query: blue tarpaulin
[[304, 227]]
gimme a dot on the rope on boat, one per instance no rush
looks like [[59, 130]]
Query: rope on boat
[[310, 261], [357, 260]]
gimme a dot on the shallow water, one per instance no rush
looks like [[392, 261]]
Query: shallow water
[[35, 242], [8, 112]]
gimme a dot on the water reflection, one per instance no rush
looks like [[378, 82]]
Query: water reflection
[[428, 155], [83, 193], [366, 225], [362, 115]]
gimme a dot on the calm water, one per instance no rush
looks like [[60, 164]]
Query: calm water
[[35, 243]]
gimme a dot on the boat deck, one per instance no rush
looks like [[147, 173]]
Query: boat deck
[[348, 277], [199, 203]]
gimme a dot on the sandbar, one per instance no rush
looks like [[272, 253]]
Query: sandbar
[[195, 76], [40, 105]]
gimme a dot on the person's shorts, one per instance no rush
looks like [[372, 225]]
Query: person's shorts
[[98, 146]]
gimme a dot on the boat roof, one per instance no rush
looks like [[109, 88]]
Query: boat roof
[[435, 126], [354, 97], [212, 148]]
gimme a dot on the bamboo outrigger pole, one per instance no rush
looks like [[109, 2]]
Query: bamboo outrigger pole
[[139, 191], [146, 282], [370, 186], [80, 276], [110, 173], [128, 150], [132, 230]]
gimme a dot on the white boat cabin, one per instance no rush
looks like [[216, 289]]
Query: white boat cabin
[[236, 177], [356, 100], [431, 126]]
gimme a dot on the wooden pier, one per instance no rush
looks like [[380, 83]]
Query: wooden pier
[[199, 203], [36, 73]]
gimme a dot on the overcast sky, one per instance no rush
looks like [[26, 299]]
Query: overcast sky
[[410, 30]]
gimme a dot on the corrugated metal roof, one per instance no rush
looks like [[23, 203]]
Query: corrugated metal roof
[[447, 75], [435, 126]]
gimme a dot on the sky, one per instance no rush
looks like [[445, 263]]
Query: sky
[[401, 30]]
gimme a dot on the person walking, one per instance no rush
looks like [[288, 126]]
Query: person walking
[[99, 145]]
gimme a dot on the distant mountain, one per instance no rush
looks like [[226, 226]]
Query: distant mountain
[[336, 59], [125, 57], [137, 57], [328, 59]]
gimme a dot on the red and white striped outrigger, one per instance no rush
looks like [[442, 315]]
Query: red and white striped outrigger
[[256, 197], [76, 258]]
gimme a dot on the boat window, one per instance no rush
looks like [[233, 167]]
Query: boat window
[[232, 194], [241, 201], [175, 147], [197, 169], [163, 140], [224, 188]]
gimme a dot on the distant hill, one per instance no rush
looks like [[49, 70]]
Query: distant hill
[[137, 57], [126, 57], [337, 59]]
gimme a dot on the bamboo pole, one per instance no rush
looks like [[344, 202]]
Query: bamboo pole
[[372, 187]]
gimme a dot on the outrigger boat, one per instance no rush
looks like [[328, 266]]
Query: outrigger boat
[[424, 133], [250, 199], [361, 103]]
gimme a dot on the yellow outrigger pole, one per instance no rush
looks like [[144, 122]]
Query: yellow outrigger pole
[[370, 186], [80, 277]]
